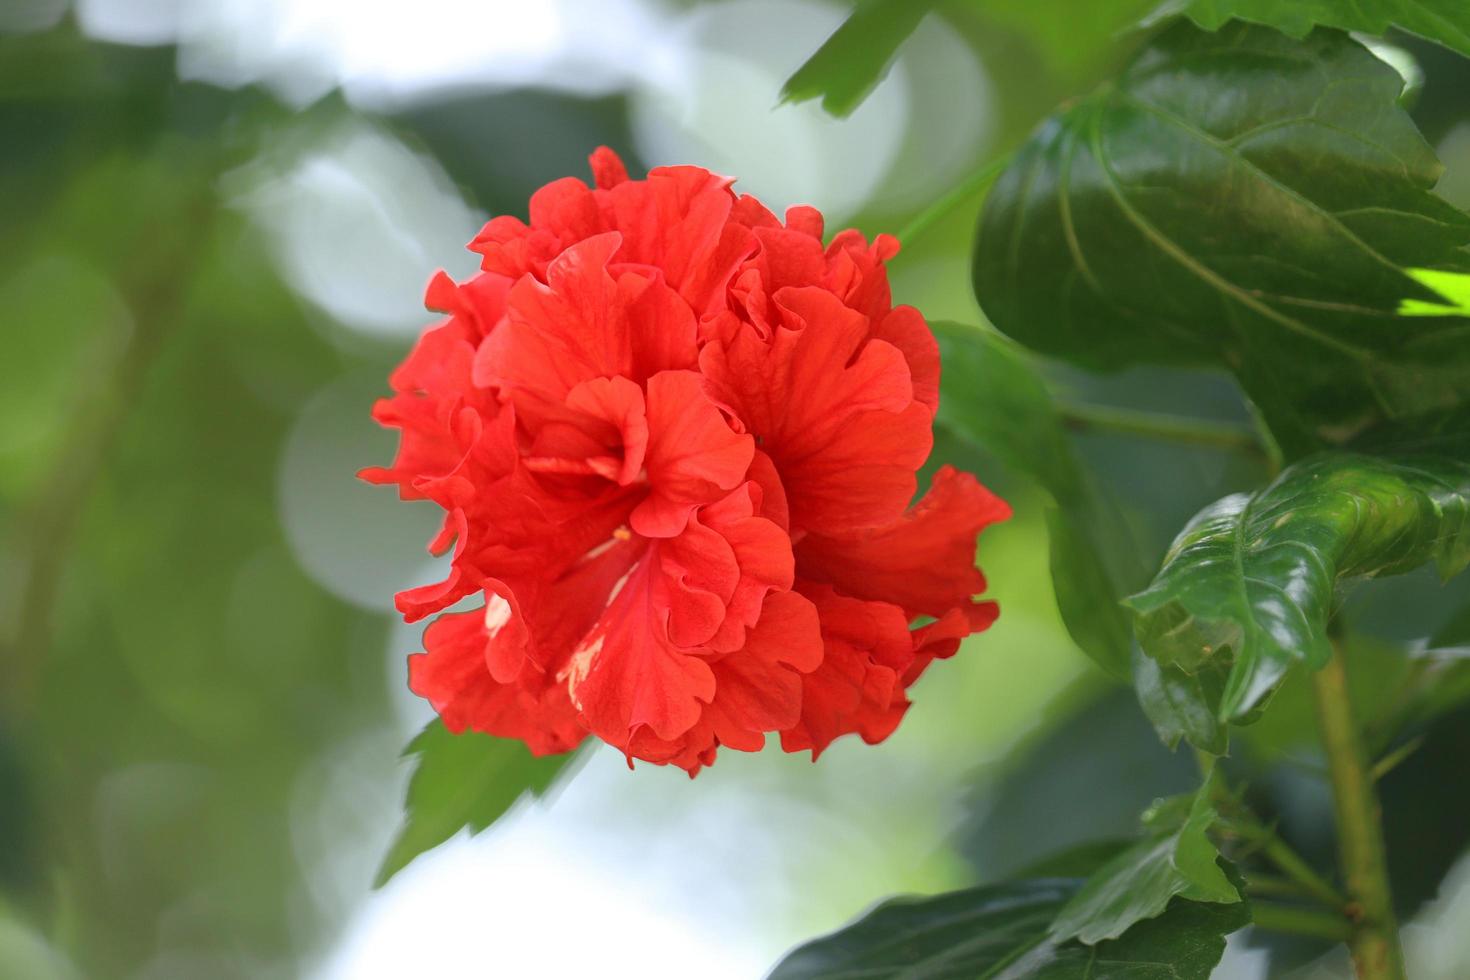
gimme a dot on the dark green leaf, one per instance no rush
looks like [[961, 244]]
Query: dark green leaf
[[1445, 21], [993, 397], [1454, 634], [1102, 751], [466, 780], [1139, 883], [1001, 931], [852, 62], [1184, 943], [1181, 705], [1245, 201], [1255, 574], [1077, 861]]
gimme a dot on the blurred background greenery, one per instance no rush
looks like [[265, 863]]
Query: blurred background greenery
[[218, 217]]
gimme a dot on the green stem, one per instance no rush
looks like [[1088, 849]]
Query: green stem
[[1373, 939], [1167, 428], [956, 196], [1386, 764], [1287, 861], [1299, 921], [1291, 864], [1262, 884], [1270, 846]]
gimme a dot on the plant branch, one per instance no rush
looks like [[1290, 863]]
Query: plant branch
[[1373, 939], [1299, 921], [957, 195], [1245, 825], [1166, 428], [1289, 862], [1265, 884], [1388, 761]]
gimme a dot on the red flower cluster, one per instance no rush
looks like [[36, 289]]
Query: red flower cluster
[[675, 440]]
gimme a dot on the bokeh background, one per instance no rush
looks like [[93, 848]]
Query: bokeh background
[[216, 221]]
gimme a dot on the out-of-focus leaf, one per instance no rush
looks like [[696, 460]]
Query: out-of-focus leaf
[[1181, 705], [1002, 930], [1077, 861], [1070, 37], [1103, 752], [466, 780], [1255, 574], [1139, 883], [1453, 289], [1454, 634], [857, 56], [1239, 200], [1425, 798], [1437, 684], [993, 397], [1445, 21]]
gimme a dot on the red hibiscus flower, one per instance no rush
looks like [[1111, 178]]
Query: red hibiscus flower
[[675, 440]]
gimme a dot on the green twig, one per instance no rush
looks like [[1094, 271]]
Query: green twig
[[1299, 921], [1373, 939], [1281, 855], [1387, 761], [1167, 428], [1262, 884], [956, 196], [1294, 866], [1242, 823]]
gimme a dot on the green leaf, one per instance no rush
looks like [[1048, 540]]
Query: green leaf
[[1445, 21], [466, 780], [1255, 574], [1181, 705], [1455, 633], [1076, 861], [1139, 883], [992, 396], [1002, 931], [1068, 39], [1244, 201], [852, 62], [1453, 289]]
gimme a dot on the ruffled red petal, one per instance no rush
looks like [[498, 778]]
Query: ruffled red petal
[[675, 438]]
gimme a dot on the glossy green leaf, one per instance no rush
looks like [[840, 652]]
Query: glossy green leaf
[[1255, 574], [1245, 201], [1181, 705], [857, 56], [992, 396], [1002, 931], [466, 780], [1139, 883], [1445, 21]]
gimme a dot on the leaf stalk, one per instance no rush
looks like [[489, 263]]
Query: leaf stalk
[[1165, 428], [953, 198], [1299, 921]]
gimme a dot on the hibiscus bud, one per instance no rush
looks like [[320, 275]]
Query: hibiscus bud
[[675, 440]]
